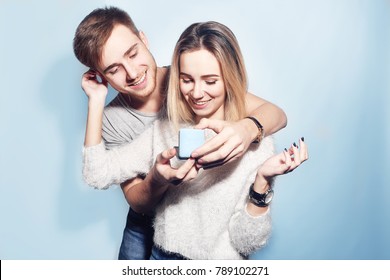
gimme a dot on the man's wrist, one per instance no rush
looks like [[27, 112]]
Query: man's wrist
[[96, 102]]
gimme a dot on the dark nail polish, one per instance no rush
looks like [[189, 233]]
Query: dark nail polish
[[295, 145], [303, 139], [285, 149]]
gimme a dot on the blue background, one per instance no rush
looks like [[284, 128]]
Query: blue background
[[326, 63]]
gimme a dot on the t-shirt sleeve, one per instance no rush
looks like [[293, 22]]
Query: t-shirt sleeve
[[111, 133]]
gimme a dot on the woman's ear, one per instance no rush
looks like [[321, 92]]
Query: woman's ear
[[143, 38]]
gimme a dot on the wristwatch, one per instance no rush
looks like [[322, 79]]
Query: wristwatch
[[261, 199]]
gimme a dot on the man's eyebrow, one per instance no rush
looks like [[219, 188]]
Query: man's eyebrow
[[109, 67], [132, 47]]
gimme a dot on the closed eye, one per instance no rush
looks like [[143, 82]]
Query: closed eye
[[114, 70], [213, 82], [186, 81]]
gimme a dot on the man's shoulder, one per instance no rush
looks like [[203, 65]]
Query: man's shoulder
[[118, 109], [122, 124], [117, 103]]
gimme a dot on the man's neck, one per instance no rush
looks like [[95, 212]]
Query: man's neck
[[153, 102]]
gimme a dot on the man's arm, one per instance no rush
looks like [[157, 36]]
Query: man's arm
[[96, 92], [234, 138], [268, 114], [142, 194]]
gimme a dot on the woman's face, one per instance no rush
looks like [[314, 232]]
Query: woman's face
[[201, 84]]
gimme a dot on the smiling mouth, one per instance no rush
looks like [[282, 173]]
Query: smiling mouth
[[200, 102], [139, 81]]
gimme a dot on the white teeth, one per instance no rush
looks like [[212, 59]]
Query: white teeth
[[141, 80], [200, 102]]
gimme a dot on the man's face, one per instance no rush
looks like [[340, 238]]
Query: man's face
[[127, 64]]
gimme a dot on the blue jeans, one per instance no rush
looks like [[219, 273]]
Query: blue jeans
[[137, 238], [160, 254]]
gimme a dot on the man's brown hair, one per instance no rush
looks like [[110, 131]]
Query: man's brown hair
[[94, 31]]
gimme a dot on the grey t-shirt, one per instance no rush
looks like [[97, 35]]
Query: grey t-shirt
[[122, 124]]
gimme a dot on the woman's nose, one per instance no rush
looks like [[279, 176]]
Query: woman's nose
[[197, 92]]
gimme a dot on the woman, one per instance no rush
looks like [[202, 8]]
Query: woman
[[216, 213]]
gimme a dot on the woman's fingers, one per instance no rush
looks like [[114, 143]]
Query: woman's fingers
[[298, 154], [303, 151], [191, 174], [167, 155], [287, 161], [183, 170]]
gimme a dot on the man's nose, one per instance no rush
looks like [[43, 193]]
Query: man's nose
[[131, 71]]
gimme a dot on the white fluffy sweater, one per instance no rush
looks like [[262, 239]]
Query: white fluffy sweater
[[205, 218]]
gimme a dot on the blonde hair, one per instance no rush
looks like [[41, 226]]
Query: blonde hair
[[221, 42]]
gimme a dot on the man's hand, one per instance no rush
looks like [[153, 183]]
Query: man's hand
[[93, 87], [231, 142]]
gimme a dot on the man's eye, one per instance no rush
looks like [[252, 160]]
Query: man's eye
[[133, 55], [113, 71]]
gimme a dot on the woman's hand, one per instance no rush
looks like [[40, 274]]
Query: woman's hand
[[284, 162], [279, 164], [163, 172], [230, 143]]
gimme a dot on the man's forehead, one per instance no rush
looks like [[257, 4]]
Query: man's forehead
[[121, 34], [117, 44], [120, 28]]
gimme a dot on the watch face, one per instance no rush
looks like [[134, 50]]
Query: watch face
[[269, 197]]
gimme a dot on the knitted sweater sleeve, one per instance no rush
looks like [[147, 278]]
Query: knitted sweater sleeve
[[102, 167], [249, 233]]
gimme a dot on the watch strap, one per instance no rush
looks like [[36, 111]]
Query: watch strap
[[259, 199]]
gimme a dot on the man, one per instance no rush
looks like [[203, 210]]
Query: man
[[108, 42]]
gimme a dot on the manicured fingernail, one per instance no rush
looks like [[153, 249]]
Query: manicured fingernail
[[303, 139], [285, 149], [295, 145]]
